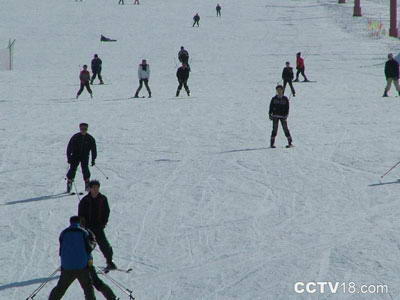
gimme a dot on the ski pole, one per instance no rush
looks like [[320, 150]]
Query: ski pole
[[388, 171], [76, 191], [101, 171], [117, 284], [35, 292]]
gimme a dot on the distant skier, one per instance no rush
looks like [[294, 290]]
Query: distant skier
[[300, 67], [121, 2], [84, 77], [78, 149], [136, 2], [287, 76], [94, 210], [279, 111], [196, 20], [183, 56], [218, 9], [96, 69], [144, 76], [183, 75], [75, 252], [391, 74]]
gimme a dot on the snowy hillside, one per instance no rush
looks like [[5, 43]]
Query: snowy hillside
[[201, 207]]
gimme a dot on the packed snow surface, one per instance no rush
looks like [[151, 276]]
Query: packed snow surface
[[201, 207]]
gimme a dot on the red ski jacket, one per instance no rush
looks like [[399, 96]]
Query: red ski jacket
[[299, 63], [84, 76]]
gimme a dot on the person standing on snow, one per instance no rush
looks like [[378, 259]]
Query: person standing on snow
[[196, 20], [183, 75], [84, 77], [300, 67], [287, 76], [278, 112], [136, 2], [183, 56], [218, 8], [391, 74], [94, 210], [75, 252], [78, 149], [144, 76], [96, 69]]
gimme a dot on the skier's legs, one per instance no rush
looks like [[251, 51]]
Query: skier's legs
[[87, 85], [86, 283], [81, 89], [93, 76], [396, 84], [284, 84], [303, 74], [100, 285], [66, 278], [85, 169], [72, 170], [186, 87], [146, 83], [291, 87], [275, 123], [139, 88], [286, 130], [179, 88], [103, 243], [388, 84], [99, 74], [297, 74]]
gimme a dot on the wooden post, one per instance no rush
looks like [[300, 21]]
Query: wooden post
[[357, 9], [393, 31]]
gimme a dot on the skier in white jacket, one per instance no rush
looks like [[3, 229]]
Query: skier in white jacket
[[144, 76]]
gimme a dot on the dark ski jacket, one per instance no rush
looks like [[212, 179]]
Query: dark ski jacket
[[95, 211], [75, 248], [218, 8], [84, 76], [392, 69], [96, 64], [196, 17], [79, 147], [183, 56], [287, 73], [279, 107], [183, 73]]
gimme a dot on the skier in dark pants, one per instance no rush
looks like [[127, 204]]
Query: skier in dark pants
[[287, 76], [96, 69], [391, 74], [196, 20], [75, 249], [183, 75], [279, 111], [97, 282], [300, 68], [84, 77], [144, 76], [183, 56], [94, 210], [121, 2], [78, 150], [218, 8]]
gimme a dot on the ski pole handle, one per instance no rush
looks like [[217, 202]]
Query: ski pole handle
[[388, 171]]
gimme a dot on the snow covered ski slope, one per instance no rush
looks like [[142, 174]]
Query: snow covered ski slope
[[201, 208]]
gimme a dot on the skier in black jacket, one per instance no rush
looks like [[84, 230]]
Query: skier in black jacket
[[94, 210], [391, 74], [279, 111], [287, 76], [183, 56], [196, 20], [78, 149], [183, 75], [96, 69]]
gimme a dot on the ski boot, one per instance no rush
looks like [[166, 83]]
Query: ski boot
[[101, 82], [385, 94], [272, 143], [111, 266]]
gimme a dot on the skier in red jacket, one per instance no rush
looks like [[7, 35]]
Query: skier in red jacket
[[84, 76], [300, 67]]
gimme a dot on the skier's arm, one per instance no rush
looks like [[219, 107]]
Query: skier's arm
[[386, 70], [94, 150], [69, 150], [286, 108], [106, 211], [283, 74], [148, 71], [270, 107], [138, 72]]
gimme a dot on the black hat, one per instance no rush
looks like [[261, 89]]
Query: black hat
[[279, 86], [93, 183], [298, 53], [75, 220], [84, 125]]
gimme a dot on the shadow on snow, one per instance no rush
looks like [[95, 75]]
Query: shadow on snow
[[48, 197], [27, 282]]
